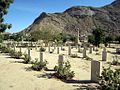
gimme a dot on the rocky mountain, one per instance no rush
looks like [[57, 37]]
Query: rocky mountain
[[81, 18]]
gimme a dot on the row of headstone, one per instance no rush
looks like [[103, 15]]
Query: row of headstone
[[96, 68], [104, 52], [31, 44]]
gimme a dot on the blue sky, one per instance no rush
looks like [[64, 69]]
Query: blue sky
[[22, 13]]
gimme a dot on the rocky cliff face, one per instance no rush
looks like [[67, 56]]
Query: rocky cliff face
[[82, 18]]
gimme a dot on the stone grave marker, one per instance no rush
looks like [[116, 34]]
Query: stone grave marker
[[104, 55], [61, 59], [84, 52], [41, 56], [96, 70], [69, 50], [91, 48], [58, 51]]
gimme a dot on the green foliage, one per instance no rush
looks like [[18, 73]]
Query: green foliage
[[63, 71], [50, 34], [11, 52], [39, 65], [116, 60], [46, 33], [18, 55], [110, 79], [15, 54], [107, 40], [117, 39], [26, 58], [68, 37], [4, 5], [4, 49], [16, 36], [97, 37], [91, 39], [6, 36], [1, 37]]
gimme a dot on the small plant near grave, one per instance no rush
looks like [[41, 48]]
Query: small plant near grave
[[16, 54], [110, 79], [42, 49], [4, 49], [115, 60], [74, 56], [26, 58], [39, 65], [63, 71], [12, 53]]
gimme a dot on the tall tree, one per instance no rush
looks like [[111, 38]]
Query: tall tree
[[4, 5], [97, 37]]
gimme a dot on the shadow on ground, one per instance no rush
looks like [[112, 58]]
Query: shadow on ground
[[87, 87]]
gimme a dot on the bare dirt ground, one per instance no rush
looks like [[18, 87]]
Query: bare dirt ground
[[17, 76]]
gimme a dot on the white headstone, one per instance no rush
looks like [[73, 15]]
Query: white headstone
[[29, 53], [48, 48], [96, 70], [91, 48], [54, 46], [78, 41], [14, 47], [41, 56], [61, 59], [69, 50], [61, 47], [104, 55], [84, 53], [20, 49], [79, 48], [58, 50]]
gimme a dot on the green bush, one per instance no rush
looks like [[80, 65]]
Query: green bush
[[12, 53], [18, 55], [26, 58], [63, 71], [4, 49], [115, 60], [39, 65], [110, 79], [15, 54]]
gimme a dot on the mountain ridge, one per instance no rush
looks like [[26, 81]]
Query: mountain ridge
[[82, 18]]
